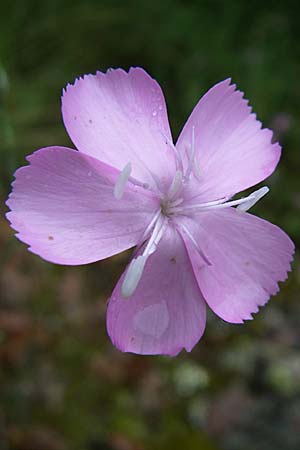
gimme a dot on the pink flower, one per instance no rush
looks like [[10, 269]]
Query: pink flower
[[129, 185]]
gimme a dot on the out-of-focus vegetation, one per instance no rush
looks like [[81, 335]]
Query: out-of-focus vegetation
[[63, 385]]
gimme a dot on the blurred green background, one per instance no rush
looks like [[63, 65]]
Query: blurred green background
[[63, 386]]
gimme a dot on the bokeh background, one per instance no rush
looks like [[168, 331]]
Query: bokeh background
[[63, 386]]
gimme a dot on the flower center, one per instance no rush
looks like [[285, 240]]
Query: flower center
[[171, 205]]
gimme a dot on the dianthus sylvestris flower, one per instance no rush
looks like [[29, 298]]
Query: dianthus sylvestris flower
[[128, 185]]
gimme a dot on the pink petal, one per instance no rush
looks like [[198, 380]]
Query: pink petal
[[232, 151], [248, 257], [63, 206], [166, 313], [121, 117]]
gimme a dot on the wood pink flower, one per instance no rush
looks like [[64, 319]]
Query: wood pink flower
[[128, 185]]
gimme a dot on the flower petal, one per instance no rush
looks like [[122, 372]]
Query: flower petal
[[248, 257], [63, 206], [166, 313], [121, 117], [232, 151]]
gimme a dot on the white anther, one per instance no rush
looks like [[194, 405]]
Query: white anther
[[122, 179], [253, 198], [133, 276]]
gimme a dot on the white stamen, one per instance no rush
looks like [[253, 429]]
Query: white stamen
[[191, 156], [148, 229], [174, 209], [136, 267], [196, 170], [193, 165], [247, 200], [122, 179], [133, 276], [176, 185], [256, 196], [178, 159], [156, 236], [247, 203]]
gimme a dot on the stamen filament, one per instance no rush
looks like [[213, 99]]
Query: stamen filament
[[138, 183], [136, 267], [148, 229], [191, 157], [245, 203], [197, 170], [178, 159], [173, 209], [156, 236], [176, 185], [176, 202]]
